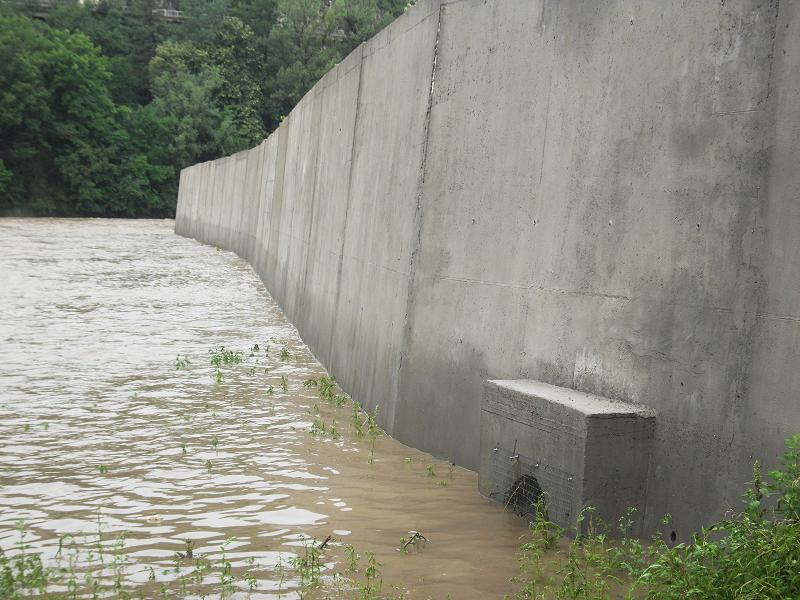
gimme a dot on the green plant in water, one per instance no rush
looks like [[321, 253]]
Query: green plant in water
[[183, 448], [103, 469], [209, 465], [188, 553], [222, 356], [284, 383], [318, 426], [85, 571], [358, 425], [309, 566], [352, 558], [23, 572], [431, 472], [226, 579], [270, 390], [373, 430], [285, 354], [327, 387], [182, 362], [214, 442], [371, 587], [280, 571]]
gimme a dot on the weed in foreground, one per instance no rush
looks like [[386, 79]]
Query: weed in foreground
[[754, 554]]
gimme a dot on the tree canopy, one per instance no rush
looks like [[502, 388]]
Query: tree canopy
[[103, 105]]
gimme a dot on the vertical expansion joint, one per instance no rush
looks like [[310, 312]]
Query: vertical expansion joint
[[418, 209]]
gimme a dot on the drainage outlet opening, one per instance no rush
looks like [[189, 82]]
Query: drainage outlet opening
[[523, 496]]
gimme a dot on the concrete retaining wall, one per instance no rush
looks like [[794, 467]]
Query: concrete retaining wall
[[602, 196]]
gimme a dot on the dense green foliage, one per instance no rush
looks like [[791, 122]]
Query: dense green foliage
[[103, 105], [751, 555]]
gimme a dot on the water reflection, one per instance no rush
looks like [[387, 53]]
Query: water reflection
[[96, 420]]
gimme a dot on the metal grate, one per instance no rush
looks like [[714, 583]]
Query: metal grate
[[518, 481]]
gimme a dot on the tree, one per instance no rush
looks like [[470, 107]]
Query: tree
[[301, 50], [101, 109], [62, 138], [127, 33], [236, 56], [185, 86]]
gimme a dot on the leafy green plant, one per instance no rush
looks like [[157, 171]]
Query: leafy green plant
[[754, 554], [358, 424], [327, 386], [318, 426], [22, 573], [370, 588], [222, 356], [751, 555], [308, 566], [373, 431], [352, 558], [182, 362]]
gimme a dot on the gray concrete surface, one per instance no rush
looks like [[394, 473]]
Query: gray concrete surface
[[571, 449], [602, 196]]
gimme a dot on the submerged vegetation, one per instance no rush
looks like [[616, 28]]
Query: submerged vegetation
[[751, 555], [95, 565]]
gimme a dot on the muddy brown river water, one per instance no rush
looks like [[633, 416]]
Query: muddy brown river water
[[99, 425]]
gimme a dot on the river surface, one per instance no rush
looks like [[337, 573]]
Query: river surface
[[103, 430]]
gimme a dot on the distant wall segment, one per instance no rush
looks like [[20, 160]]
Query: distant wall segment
[[602, 196]]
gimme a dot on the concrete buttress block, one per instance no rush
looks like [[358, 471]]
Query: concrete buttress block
[[575, 449]]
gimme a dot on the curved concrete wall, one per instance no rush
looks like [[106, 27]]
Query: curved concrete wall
[[602, 196]]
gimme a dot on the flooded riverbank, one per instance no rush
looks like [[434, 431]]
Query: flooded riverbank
[[111, 409]]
